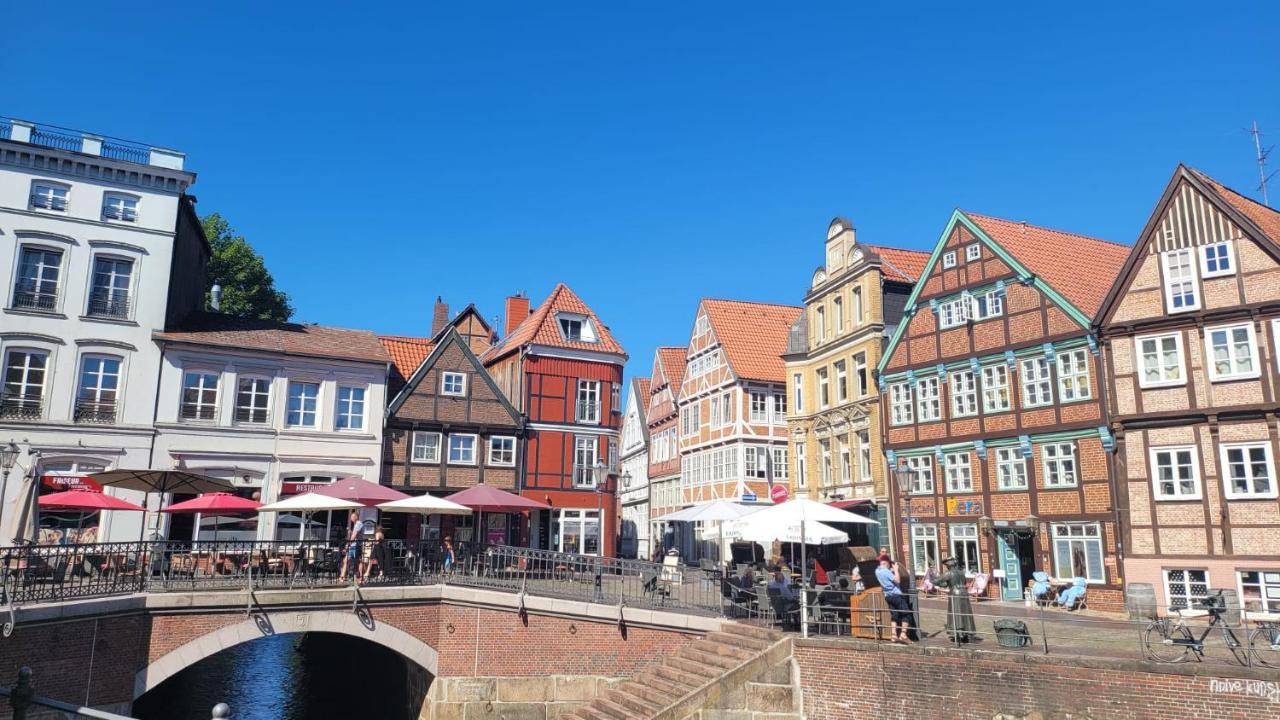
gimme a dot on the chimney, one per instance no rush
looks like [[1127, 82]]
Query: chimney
[[215, 298], [439, 317], [517, 311]]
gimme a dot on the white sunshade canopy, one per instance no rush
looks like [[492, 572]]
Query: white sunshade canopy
[[714, 511], [425, 505], [310, 502], [810, 532]]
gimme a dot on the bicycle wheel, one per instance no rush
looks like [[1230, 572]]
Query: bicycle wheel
[[1166, 642], [1264, 646], [1239, 650]]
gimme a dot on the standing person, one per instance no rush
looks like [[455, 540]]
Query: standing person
[[899, 611], [378, 556], [960, 624], [447, 553], [351, 557], [906, 583]]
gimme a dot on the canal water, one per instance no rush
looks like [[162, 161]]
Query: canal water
[[312, 676]]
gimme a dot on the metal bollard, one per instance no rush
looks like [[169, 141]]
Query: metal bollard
[[22, 694], [221, 711]]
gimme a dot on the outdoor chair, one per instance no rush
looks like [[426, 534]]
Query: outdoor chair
[[1041, 590], [1073, 598], [651, 585], [785, 615]]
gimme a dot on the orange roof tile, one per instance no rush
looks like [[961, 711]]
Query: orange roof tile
[[673, 362], [217, 329], [644, 390], [1267, 220], [407, 353], [753, 336], [901, 265], [540, 328], [1079, 267]]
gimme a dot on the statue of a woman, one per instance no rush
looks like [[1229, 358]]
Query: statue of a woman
[[959, 610]]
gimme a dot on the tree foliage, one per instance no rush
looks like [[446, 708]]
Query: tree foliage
[[248, 290]]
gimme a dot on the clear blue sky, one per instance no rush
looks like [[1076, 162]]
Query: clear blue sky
[[647, 154]]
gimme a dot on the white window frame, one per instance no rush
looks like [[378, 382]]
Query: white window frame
[[797, 382], [959, 472], [584, 475], [864, 456], [1224, 452], [1268, 584], [1186, 598], [901, 404], [1011, 469], [504, 440], [954, 312], [802, 473], [922, 477], [992, 390], [110, 292], [587, 410], [1074, 381], [1232, 359], [949, 259], [340, 412], [1140, 361], [827, 470], [1067, 532], [756, 462], [302, 408], [462, 449], [1037, 381], [824, 388], [780, 469], [414, 447], [52, 204], [1205, 272], [1191, 279], [453, 384], [964, 393], [124, 213], [962, 538], [860, 372], [41, 278], [928, 399], [253, 394], [972, 251], [1054, 466], [846, 460], [842, 380], [1175, 466], [837, 304], [201, 388], [987, 305], [924, 547], [759, 401], [94, 393]]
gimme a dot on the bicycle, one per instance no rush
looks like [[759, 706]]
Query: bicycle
[[1264, 640], [1167, 640]]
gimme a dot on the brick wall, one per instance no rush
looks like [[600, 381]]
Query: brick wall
[[857, 680]]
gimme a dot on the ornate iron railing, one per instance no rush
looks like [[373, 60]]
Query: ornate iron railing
[[109, 305], [124, 150], [55, 139], [19, 407], [95, 412], [28, 298]]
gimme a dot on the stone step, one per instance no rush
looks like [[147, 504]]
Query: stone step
[[651, 693], [614, 710], [586, 712], [698, 670], [669, 686], [729, 650], [710, 659], [680, 677], [751, 631], [632, 701], [770, 698], [743, 642]]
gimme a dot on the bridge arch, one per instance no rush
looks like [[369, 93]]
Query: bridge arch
[[330, 621]]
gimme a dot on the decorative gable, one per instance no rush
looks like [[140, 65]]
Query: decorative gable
[[452, 386]]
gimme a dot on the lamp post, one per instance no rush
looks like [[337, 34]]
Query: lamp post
[[902, 477], [8, 456], [601, 472], [625, 478]]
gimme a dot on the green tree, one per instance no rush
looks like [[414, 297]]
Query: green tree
[[248, 290]]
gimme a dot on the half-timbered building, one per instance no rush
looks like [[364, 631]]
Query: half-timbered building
[[562, 369], [662, 417], [633, 482], [991, 397], [832, 352], [733, 401], [1191, 333]]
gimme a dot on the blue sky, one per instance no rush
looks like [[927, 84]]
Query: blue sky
[[647, 154]]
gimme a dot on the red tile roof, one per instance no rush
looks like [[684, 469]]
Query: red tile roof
[[753, 336], [1267, 220], [644, 391], [673, 362], [541, 328], [1079, 267], [901, 265], [286, 338], [407, 354]]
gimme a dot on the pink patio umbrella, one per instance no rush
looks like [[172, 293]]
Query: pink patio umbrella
[[361, 491], [85, 501], [484, 498], [214, 504]]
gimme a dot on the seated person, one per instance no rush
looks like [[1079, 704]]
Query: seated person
[[747, 580], [779, 583]]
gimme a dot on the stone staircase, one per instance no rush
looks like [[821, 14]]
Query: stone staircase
[[741, 672]]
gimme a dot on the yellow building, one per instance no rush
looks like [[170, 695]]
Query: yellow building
[[854, 302]]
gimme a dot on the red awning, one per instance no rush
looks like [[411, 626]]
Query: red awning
[[846, 504], [490, 499], [85, 501], [218, 503]]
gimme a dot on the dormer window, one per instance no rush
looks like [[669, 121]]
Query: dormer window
[[576, 328], [949, 260], [972, 252]]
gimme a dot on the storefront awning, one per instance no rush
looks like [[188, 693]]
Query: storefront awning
[[848, 504]]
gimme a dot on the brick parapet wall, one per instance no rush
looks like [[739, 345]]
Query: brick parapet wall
[[849, 679]]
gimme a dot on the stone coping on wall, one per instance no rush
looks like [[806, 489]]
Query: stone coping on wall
[[1207, 670], [330, 598]]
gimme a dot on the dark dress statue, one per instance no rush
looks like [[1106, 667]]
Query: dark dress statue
[[960, 624]]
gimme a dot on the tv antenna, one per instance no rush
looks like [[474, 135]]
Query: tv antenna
[[1263, 153]]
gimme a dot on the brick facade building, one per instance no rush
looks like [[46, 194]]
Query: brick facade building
[[1190, 336], [992, 398], [662, 418]]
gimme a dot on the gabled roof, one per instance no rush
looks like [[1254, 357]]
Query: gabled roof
[[407, 353], [451, 336], [286, 338], [672, 360], [899, 264], [642, 389], [1079, 267], [541, 328], [752, 335], [1266, 219]]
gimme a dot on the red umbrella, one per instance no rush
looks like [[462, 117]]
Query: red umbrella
[[484, 498], [85, 501], [362, 491], [215, 503]]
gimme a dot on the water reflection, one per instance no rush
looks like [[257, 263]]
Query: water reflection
[[292, 677]]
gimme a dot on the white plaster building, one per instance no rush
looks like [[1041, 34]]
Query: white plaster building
[[273, 407], [633, 486], [99, 247]]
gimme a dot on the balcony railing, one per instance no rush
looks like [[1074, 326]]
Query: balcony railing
[[6, 129], [588, 412], [124, 150], [193, 411], [95, 412], [109, 306], [19, 407], [28, 298], [120, 212], [54, 139], [49, 202], [584, 476], [256, 416]]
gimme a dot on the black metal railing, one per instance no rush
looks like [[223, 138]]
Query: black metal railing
[[95, 412], [109, 305], [255, 415], [197, 411], [588, 412], [29, 298], [19, 407]]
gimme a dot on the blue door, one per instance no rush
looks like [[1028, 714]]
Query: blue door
[[1012, 589]]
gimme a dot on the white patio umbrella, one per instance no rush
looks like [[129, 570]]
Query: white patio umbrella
[[308, 503], [717, 511], [766, 533], [800, 513], [425, 505]]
